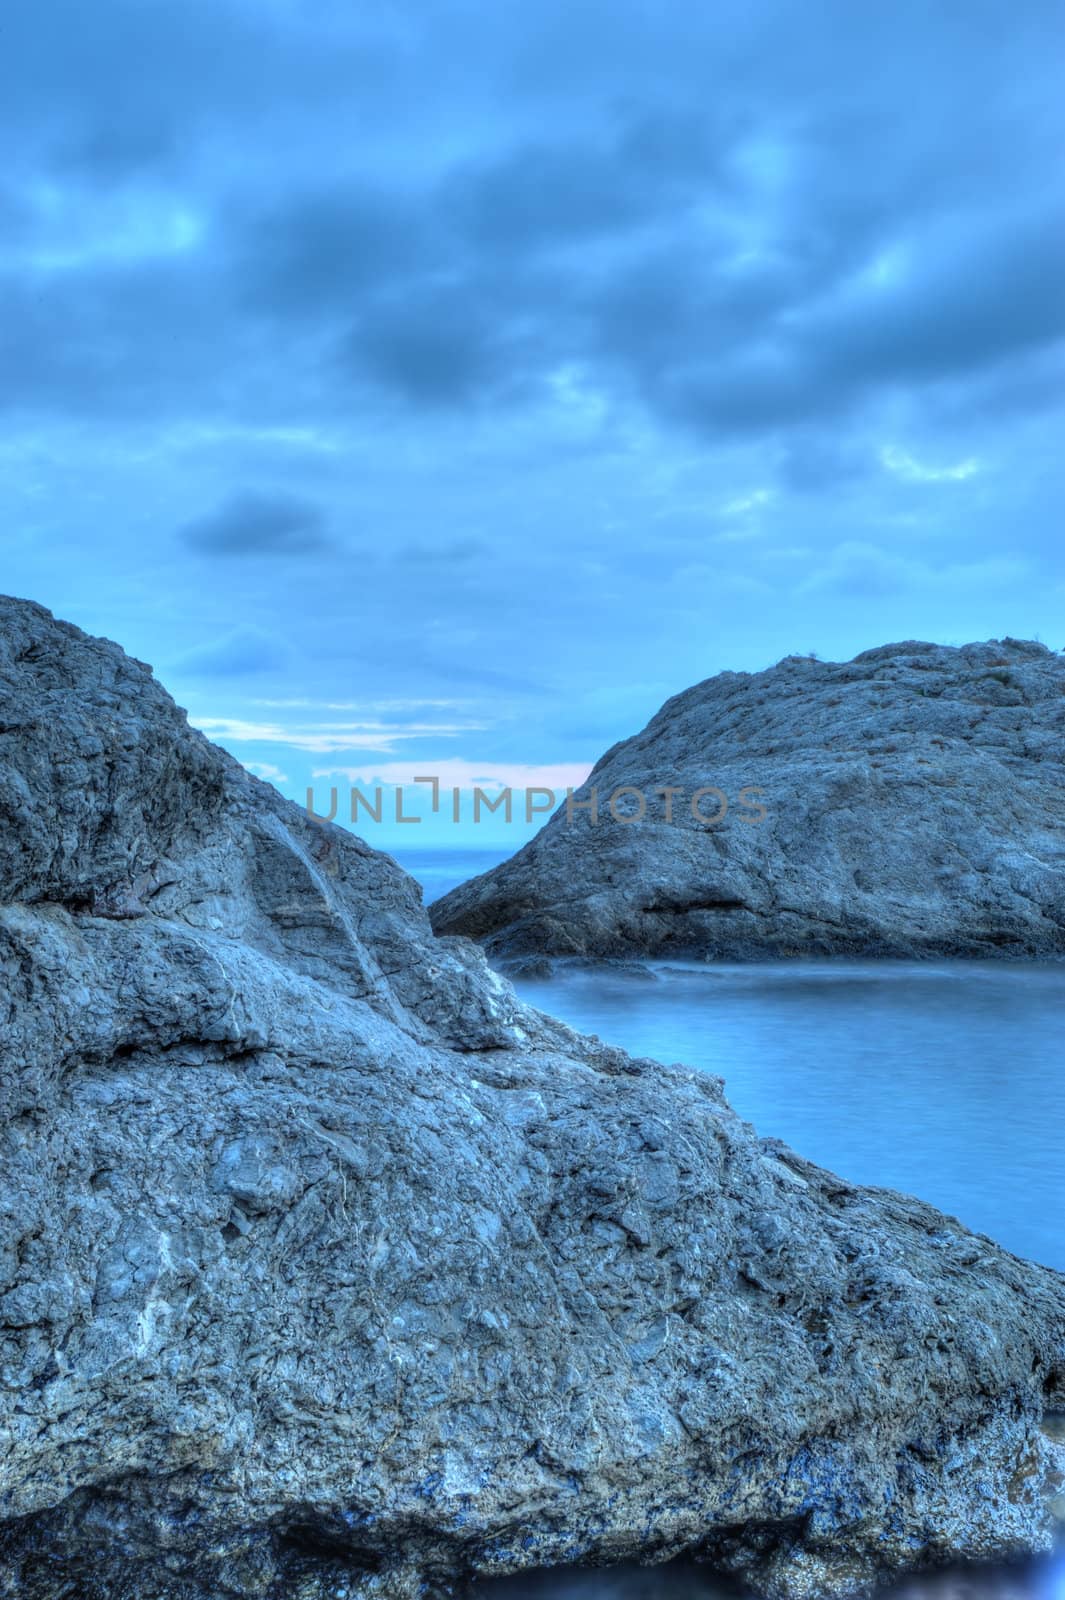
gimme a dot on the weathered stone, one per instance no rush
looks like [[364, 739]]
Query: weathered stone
[[914, 804], [326, 1266]]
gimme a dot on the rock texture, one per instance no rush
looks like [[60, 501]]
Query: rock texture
[[914, 805], [328, 1269]]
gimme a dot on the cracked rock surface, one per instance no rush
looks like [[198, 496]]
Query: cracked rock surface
[[914, 805], [327, 1268]]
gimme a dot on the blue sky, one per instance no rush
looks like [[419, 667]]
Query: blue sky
[[441, 386]]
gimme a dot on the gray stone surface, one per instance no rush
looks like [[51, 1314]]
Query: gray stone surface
[[327, 1268], [914, 805]]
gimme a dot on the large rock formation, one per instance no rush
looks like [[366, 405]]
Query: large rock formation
[[326, 1268], [912, 803]]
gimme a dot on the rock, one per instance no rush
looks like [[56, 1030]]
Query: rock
[[327, 1268], [910, 802]]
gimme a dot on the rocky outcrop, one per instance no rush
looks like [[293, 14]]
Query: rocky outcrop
[[910, 802], [327, 1268]]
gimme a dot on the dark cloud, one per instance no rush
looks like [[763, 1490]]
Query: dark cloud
[[627, 300], [259, 522], [763, 390], [433, 348], [322, 250], [710, 258], [959, 307], [983, 295], [568, 193]]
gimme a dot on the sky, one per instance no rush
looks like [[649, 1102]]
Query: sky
[[433, 389]]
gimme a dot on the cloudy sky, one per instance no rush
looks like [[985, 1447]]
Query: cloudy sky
[[439, 386]]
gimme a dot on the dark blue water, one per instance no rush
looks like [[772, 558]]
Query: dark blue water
[[943, 1079]]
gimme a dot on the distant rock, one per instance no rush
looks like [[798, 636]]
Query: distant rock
[[327, 1268], [914, 805]]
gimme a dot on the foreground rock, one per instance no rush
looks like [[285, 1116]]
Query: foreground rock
[[326, 1268], [912, 804]]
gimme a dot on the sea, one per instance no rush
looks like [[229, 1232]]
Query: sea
[[942, 1078]]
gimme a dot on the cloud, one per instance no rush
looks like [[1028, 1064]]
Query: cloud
[[742, 505], [433, 347], [737, 267], [267, 771], [302, 703], [322, 738], [259, 522], [241, 653], [967, 302], [459, 773], [601, 279], [973, 296], [905, 466], [567, 193], [324, 248]]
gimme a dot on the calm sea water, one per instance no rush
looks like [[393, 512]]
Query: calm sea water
[[944, 1079]]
